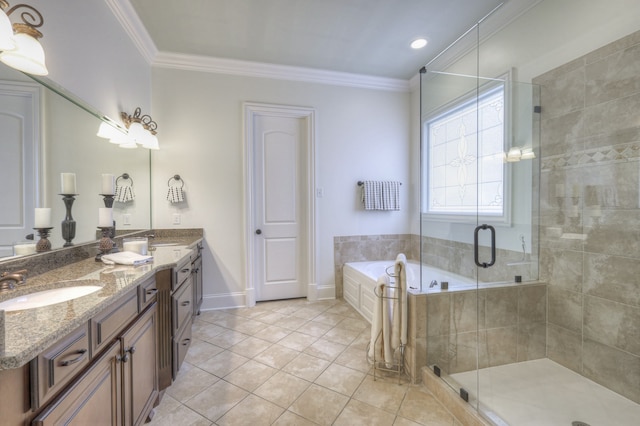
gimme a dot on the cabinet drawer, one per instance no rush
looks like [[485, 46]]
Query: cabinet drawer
[[58, 364], [181, 273], [181, 345], [95, 398], [182, 305], [147, 293], [106, 325]]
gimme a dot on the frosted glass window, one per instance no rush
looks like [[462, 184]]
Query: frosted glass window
[[465, 173]]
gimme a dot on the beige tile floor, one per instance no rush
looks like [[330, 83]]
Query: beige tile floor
[[289, 362]]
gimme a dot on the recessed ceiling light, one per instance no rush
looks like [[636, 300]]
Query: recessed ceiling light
[[418, 43]]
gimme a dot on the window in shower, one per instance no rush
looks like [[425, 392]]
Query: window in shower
[[465, 157]]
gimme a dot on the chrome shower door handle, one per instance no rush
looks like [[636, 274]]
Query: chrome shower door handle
[[493, 245]]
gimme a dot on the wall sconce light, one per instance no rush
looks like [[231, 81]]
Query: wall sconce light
[[142, 129], [19, 42], [516, 154]]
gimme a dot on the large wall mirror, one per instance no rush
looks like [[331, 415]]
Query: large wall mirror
[[53, 133]]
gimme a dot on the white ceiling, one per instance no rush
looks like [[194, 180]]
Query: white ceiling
[[366, 37]]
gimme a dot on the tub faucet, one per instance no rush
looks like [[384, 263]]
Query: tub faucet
[[8, 281], [433, 283]]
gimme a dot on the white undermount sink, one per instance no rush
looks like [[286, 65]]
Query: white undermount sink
[[47, 297]]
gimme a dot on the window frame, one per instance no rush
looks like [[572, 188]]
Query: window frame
[[460, 102]]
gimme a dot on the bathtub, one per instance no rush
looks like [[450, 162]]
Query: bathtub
[[360, 278]]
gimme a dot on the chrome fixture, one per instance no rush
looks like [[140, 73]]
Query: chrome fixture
[[8, 281], [19, 41], [433, 283]]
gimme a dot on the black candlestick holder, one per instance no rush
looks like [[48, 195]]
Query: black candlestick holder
[[68, 224], [106, 243], [43, 244]]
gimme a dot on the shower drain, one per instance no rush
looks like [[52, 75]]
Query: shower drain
[[579, 423]]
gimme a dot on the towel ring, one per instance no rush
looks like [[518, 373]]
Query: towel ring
[[124, 176], [361, 182], [176, 178]]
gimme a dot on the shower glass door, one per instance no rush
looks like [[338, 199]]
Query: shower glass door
[[479, 225]]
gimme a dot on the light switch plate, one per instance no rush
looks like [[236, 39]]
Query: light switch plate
[[126, 219], [176, 219]]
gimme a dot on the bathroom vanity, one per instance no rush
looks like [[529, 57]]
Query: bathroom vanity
[[99, 358]]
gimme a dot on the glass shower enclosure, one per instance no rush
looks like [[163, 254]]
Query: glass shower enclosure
[[479, 217]]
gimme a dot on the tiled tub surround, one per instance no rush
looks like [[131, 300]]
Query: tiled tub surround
[[590, 219], [458, 257], [368, 247], [28, 332]]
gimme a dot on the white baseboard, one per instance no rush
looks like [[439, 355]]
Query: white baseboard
[[223, 301], [325, 292]]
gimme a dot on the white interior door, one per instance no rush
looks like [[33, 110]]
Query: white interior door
[[19, 105], [278, 230]]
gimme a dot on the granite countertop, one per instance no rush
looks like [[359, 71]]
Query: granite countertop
[[29, 332]]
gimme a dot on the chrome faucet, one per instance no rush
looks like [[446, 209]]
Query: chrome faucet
[[433, 283], [8, 281]]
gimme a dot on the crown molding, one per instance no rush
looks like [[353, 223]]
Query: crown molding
[[128, 18], [279, 72]]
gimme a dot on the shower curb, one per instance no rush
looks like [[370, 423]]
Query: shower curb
[[461, 410]]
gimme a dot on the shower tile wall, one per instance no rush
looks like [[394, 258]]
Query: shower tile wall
[[458, 257], [590, 214], [501, 325], [368, 247]]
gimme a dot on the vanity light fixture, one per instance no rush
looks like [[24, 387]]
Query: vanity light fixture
[[516, 154], [27, 54], [142, 129]]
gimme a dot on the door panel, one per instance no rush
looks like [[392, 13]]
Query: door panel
[[278, 144], [17, 165]]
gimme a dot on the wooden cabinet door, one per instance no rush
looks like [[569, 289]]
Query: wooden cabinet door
[[94, 399], [140, 370]]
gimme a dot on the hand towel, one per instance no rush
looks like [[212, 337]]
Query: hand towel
[[124, 193], [175, 194], [381, 195]]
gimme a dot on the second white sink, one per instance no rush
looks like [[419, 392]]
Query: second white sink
[[47, 297]]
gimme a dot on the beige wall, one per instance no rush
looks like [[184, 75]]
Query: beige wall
[[360, 134]]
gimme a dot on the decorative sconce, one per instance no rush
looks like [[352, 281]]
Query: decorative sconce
[[19, 42], [516, 154], [141, 129]]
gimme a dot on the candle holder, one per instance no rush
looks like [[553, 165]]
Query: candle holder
[[43, 244], [68, 224], [106, 243], [108, 203]]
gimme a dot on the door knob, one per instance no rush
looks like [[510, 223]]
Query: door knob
[[258, 231]]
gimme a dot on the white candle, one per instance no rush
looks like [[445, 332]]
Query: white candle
[[68, 183], [25, 248], [108, 184], [43, 218], [105, 217]]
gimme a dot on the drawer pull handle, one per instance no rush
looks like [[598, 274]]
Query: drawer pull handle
[[185, 303], [125, 358], [152, 291], [184, 270], [131, 350], [185, 342], [81, 354]]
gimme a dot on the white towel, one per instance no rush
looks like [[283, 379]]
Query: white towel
[[381, 195], [399, 332], [124, 193], [175, 194], [375, 344]]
